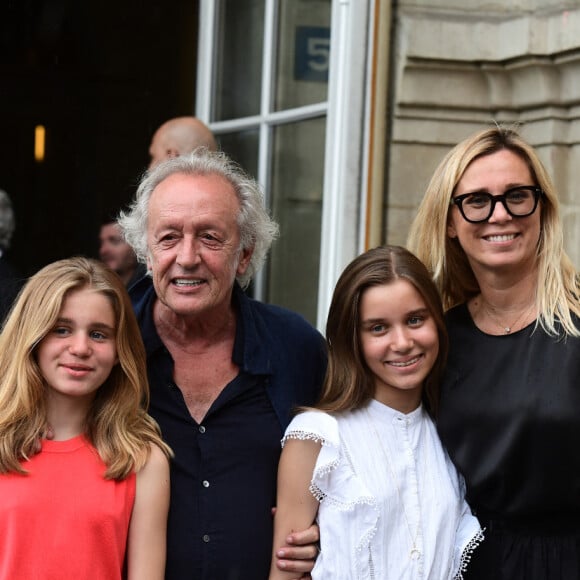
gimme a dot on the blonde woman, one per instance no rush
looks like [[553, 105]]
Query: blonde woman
[[489, 230], [93, 502]]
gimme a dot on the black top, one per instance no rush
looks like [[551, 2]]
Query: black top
[[223, 476], [140, 271], [510, 419]]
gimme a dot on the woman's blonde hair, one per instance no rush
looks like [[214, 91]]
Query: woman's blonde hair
[[117, 424], [557, 291], [349, 382]]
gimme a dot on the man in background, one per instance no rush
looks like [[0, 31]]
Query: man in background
[[10, 279], [179, 136], [117, 254]]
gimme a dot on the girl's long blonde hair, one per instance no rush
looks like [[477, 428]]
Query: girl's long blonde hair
[[117, 424], [558, 288]]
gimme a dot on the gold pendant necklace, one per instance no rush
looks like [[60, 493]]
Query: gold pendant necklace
[[506, 329], [415, 552]]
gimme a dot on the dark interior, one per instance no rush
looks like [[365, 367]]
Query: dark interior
[[100, 76]]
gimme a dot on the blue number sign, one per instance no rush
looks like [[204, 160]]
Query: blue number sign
[[312, 54]]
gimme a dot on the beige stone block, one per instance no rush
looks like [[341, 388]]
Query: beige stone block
[[398, 222], [412, 166], [491, 31], [430, 83], [464, 37], [442, 128]]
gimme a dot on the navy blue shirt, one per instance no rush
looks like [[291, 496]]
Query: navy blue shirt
[[223, 476]]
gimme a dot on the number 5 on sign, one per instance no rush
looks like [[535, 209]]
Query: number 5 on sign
[[312, 53], [319, 51]]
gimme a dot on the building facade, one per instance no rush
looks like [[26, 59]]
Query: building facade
[[465, 64], [343, 109]]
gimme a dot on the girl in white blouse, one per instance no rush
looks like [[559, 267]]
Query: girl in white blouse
[[367, 463]]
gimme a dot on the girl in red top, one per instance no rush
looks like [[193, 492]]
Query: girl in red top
[[93, 502]]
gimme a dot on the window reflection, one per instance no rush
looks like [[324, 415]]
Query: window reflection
[[239, 59], [242, 147], [297, 181], [303, 53]]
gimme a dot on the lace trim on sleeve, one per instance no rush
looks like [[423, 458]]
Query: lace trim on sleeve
[[322, 467], [467, 552], [304, 436], [334, 481]]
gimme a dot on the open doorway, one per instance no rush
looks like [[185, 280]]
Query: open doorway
[[99, 76]]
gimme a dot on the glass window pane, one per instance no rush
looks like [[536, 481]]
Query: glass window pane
[[238, 59], [303, 53], [297, 180], [242, 147]]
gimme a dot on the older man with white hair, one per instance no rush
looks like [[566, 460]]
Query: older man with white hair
[[225, 371]]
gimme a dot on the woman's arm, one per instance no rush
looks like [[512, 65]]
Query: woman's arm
[[296, 506], [146, 545]]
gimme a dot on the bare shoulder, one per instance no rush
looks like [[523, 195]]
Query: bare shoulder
[[157, 463]]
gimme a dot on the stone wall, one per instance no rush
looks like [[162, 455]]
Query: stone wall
[[461, 65]]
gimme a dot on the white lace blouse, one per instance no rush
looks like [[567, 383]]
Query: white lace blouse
[[391, 502]]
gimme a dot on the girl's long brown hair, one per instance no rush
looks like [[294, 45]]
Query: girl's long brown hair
[[349, 383]]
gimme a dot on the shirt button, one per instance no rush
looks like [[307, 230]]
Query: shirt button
[[201, 429], [205, 538], [205, 483]]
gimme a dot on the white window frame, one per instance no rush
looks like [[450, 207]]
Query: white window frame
[[344, 212]]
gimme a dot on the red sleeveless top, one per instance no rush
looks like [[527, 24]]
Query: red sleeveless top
[[63, 519]]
